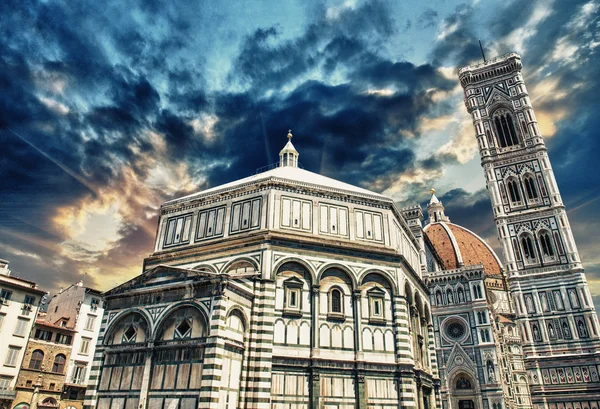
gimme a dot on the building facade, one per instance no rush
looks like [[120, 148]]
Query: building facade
[[554, 309], [80, 308], [479, 351], [286, 289], [19, 303], [43, 373]]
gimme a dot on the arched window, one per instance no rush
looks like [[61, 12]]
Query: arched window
[[36, 359], [335, 301], [528, 249], [530, 188], [505, 128], [59, 364], [546, 244], [514, 190]]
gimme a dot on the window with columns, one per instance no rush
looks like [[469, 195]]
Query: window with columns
[[505, 128]]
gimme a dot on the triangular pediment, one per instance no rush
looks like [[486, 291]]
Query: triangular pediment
[[376, 292], [158, 275], [459, 359], [293, 282]]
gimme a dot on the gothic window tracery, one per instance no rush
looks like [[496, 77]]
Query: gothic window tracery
[[546, 244], [514, 190], [528, 249], [530, 187], [505, 128]]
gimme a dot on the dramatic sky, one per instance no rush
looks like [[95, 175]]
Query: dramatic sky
[[110, 108]]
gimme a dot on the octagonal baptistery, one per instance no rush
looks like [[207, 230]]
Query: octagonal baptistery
[[286, 289]]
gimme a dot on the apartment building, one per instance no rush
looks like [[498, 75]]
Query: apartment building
[[19, 302]]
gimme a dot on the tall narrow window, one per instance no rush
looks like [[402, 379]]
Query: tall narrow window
[[505, 129], [546, 244], [335, 301], [513, 191], [528, 250], [500, 132], [530, 187]]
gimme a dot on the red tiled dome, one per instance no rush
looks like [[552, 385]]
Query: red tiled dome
[[459, 247]]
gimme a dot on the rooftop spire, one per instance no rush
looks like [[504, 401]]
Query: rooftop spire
[[289, 155], [435, 209]]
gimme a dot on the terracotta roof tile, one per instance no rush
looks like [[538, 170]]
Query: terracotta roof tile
[[473, 249], [443, 245]]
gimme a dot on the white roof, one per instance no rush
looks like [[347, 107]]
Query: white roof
[[290, 174]]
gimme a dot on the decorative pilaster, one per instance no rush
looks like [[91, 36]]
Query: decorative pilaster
[[357, 305], [404, 352], [146, 376], [260, 350]]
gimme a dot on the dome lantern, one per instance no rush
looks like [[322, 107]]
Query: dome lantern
[[289, 155], [435, 209]]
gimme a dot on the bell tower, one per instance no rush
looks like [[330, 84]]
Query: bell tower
[[554, 308]]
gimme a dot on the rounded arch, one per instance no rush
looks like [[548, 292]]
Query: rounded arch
[[237, 324], [119, 319], [200, 267], [380, 277], [419, 304], [309, 269], [172, 321], [408, 293], [462, 381], [60, 361], [244, 263], [295, 267], [329, 268], [427, 314], [237, 311], [36, 360], [49, 402], [22, 405]]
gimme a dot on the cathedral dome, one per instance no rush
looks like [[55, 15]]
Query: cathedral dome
[[456, 245]]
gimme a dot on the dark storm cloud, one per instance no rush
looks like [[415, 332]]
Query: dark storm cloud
[[266, 65], [427, 19]]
